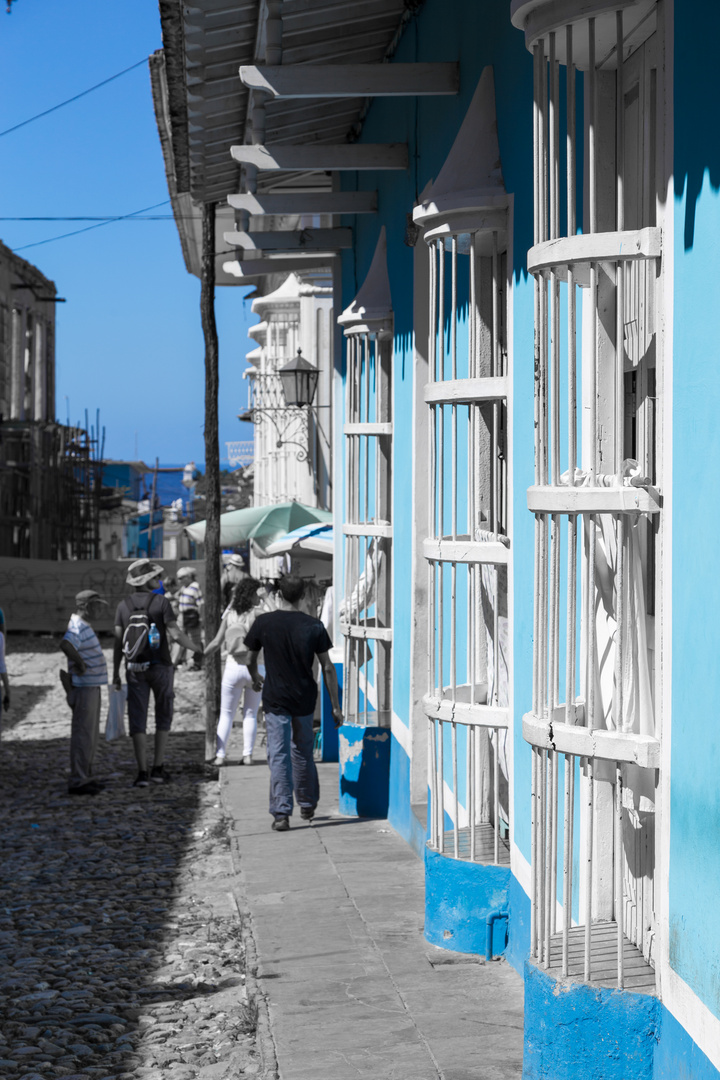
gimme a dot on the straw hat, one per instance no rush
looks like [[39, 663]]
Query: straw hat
[[83, 598], [142, 571]]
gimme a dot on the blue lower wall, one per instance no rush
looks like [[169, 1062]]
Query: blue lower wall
[[364, 774], [459, 896], [328, 731], [400, 812], [578, 1032], [518, 948], [677, 1057]]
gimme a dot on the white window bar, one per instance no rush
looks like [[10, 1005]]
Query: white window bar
[[366, 610], [467, 544], [596, 730]]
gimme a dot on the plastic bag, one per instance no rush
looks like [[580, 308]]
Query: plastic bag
[[115, 723]]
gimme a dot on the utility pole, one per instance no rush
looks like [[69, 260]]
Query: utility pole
[[212, 477], [151, 517]]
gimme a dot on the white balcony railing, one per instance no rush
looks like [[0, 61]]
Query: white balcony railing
[[596, 499]]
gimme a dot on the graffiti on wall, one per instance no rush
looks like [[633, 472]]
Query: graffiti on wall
[[39, 595]]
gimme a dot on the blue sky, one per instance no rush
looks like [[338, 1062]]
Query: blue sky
[[129, 340]]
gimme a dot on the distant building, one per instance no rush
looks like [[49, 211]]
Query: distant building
[[49, 499], [125, 517]]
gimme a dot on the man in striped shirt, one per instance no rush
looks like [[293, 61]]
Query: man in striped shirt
[[190, 603], [88, 672]]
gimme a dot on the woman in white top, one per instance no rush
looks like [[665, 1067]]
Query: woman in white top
[[237, 619]]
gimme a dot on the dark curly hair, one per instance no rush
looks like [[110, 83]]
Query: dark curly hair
[[244, 595]]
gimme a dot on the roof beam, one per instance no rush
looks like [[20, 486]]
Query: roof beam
[[288, 157], [295, 240], [258, 267], [330, 202], [352, 80]]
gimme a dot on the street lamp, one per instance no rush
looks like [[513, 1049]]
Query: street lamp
[[299, 380]]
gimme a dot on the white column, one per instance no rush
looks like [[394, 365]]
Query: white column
[[40, 372], [17, 365]]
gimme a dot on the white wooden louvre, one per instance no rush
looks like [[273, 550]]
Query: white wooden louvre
[[365, 612], [597, 473], [464, 218]]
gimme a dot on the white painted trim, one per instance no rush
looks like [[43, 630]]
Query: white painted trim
[[454, 809], [418, 725], [668, 980], [287, 157], [338, 458], [510, 454], [290, 240], [692, 1014], [352, 80], [368, 689], [330, 202], [401, 731], [520, 868]]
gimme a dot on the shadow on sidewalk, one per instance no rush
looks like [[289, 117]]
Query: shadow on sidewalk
[[24, 700], [86, 905]]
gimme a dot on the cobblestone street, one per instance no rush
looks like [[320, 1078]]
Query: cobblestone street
[[121, 945]]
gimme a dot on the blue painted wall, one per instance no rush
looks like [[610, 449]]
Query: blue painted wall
[[400, 813], [125, 475], [573, 1031], [476, 35], [677, 1057], [328, 731], [694, 871], [364, 770], [518, 946], [459, 897]]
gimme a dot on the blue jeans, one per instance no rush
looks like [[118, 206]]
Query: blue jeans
[[290, 757]]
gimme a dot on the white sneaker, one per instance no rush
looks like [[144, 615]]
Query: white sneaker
[[247, 760], [219, 760]]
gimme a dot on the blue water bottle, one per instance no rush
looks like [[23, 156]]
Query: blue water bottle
[[154, 637]]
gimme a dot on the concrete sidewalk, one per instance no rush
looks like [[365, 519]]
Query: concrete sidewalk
[[351, 987]]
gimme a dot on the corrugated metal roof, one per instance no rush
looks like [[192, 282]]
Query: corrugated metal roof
[[201, 105], [206, 41]]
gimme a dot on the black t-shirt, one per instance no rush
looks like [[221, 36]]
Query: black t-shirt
[[159, 612], [291, 640]]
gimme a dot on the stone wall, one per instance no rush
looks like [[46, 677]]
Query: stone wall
[[38, 595]]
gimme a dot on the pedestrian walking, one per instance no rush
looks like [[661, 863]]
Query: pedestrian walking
[[237, 682], [5, 699], [87, 670], [190, 606], [143, 623], [233, 573], [291, 640]]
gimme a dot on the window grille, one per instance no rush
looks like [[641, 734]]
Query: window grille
[[365, 613], [467, 543], [596, 471]]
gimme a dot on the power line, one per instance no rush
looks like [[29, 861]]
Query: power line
[[98, 225], [75, 98]]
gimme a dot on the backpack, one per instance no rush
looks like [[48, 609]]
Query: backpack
[[135, 638]]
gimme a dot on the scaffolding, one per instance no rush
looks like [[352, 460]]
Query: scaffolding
[[50, 490]]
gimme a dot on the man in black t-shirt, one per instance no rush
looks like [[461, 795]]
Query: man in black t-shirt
[[151, 670], [291, 640]]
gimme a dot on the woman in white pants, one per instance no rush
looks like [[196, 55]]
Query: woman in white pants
[[237, 619]]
